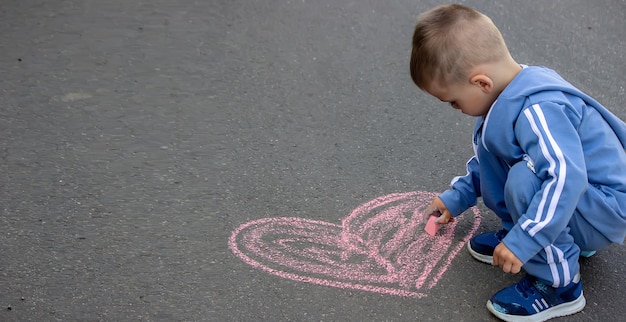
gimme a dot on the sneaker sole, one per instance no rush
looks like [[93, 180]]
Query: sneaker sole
[[553, 312], [478, 256], [587, 253]]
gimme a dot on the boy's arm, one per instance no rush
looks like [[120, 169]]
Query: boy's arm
[[547, 133], [464, 190]]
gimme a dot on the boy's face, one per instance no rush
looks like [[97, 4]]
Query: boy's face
[[470, 98]]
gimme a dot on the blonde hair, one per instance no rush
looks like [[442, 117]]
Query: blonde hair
[[449, 41]]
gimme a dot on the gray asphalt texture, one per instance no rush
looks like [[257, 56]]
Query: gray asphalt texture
[[136, 135]]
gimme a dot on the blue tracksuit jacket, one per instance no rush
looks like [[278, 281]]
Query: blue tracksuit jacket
[[572, 141]]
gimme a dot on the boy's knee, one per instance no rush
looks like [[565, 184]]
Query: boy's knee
[[521, 185]]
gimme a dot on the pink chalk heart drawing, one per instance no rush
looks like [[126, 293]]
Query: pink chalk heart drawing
[[380, 247]]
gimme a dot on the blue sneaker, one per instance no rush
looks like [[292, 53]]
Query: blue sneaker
[[481, 247], [531, 299]]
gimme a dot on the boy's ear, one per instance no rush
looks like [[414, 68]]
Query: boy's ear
[[483, 81]]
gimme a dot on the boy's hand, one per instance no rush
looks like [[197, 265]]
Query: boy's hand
[[438, 205], [505, 259]]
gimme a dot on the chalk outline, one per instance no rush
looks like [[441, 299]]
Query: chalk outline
[[390, 246]]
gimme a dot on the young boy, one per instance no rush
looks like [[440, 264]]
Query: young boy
[[549, 160]]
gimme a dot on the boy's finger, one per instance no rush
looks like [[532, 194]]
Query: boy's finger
[[442, 219], [445, 218], [430, 211]]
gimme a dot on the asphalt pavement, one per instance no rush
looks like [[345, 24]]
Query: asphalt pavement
[[219, 160]]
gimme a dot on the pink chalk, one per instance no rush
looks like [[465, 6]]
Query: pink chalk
[[432, 226]]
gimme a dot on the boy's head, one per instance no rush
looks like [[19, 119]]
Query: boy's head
[[449, 41]]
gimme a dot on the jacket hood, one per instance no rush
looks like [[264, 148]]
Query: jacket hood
[[525, 89]]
